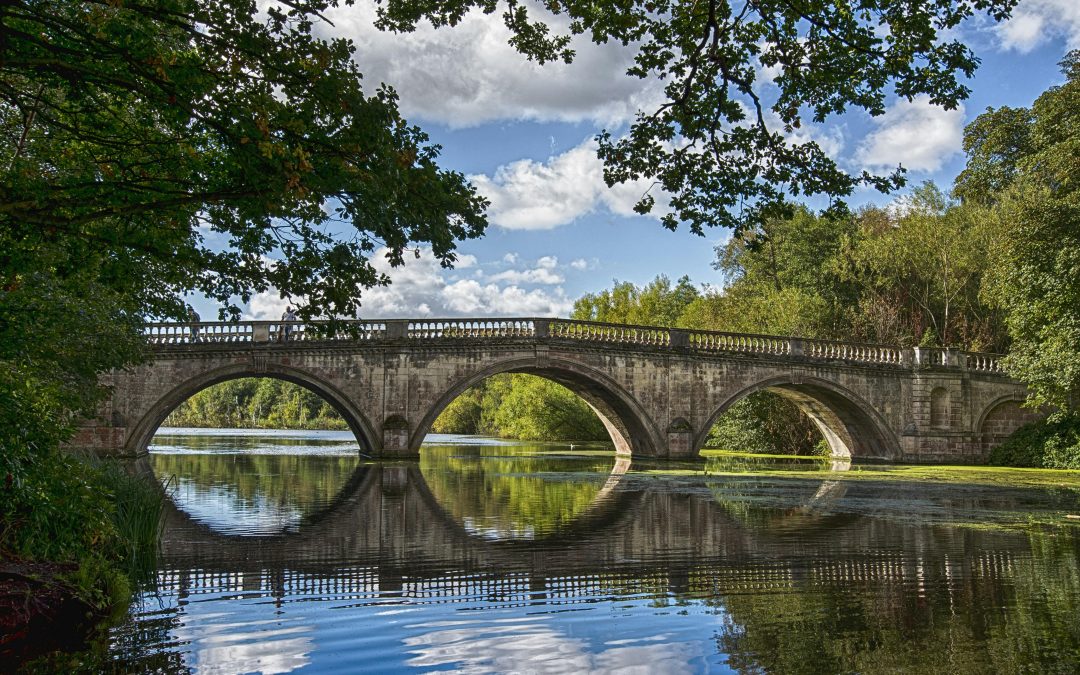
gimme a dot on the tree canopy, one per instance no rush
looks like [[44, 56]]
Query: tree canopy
[[740, 79], [1024, 161], [188, 145]]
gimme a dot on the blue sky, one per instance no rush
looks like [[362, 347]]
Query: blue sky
[[523, 133]]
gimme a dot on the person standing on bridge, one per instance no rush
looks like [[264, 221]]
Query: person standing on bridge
[[288, 317], [193, 318]]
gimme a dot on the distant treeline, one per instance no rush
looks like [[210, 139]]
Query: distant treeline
[[255, 403]]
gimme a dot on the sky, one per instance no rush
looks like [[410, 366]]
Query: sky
[[524, 134]]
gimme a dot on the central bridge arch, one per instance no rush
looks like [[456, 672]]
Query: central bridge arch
[[145, 428], [850, 425], [631, 428]]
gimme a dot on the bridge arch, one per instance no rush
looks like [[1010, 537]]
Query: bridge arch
[[143, 431], [631, 428], [850, 425]]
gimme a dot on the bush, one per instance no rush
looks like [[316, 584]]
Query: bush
[[1051, 443], [69, 509]]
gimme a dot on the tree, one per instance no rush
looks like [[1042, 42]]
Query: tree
[[656, 304], [537, 409], [780, 280], [525, 407], [189, 145], [462, 415], [723, 143], [1035, 186], [918, 274]]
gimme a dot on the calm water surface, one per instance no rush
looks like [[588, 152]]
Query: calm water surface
[[284, 551]]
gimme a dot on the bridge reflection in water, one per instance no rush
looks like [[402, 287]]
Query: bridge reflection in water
[[753, 572]]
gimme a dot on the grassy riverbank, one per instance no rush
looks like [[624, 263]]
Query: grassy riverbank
[[718, 463], [78, 534]]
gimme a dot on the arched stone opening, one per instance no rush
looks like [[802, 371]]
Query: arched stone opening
[[141, 434], [631, 430], [848, 424], [1001, 418]]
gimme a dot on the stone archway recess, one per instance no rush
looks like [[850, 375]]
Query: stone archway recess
[[143, 431], [1001, 417], [850, 425], [630, 427]]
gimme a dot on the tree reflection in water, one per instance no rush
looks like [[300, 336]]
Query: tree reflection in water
[[518, 491]]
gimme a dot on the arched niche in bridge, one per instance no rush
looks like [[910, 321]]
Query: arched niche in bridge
[[1001, 418], [940, 408], [849, 425], [144, 429], [630, 428]]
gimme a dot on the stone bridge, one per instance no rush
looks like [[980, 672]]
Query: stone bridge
[[658, 391]]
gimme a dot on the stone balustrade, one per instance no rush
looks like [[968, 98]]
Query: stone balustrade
[[705, 342], [592, 331]]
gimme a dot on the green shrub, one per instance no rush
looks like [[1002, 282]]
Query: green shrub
[[1051, 443], [71, 509]]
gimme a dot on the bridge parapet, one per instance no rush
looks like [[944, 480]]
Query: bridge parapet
[[547, 329]]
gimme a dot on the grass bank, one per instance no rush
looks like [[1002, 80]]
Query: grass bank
[[77, 535]]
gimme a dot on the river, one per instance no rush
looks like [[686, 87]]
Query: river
[[287, 552]]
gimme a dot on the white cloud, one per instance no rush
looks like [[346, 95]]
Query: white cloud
[[1034, 22], [535, 276], [464, 261], [510, 258], [267, 306], [829, 139], [421, 287], [468, 297], [580, 264], [530, 195], [468, 74], [916, 134]]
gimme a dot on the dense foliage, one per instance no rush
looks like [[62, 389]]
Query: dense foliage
[[1052, 443], [907, 275], [1024, 166], [73, 509], [188, 145], [256, 403], [526, 407]]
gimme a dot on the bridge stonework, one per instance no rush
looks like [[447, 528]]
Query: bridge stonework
[[658, 391]]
